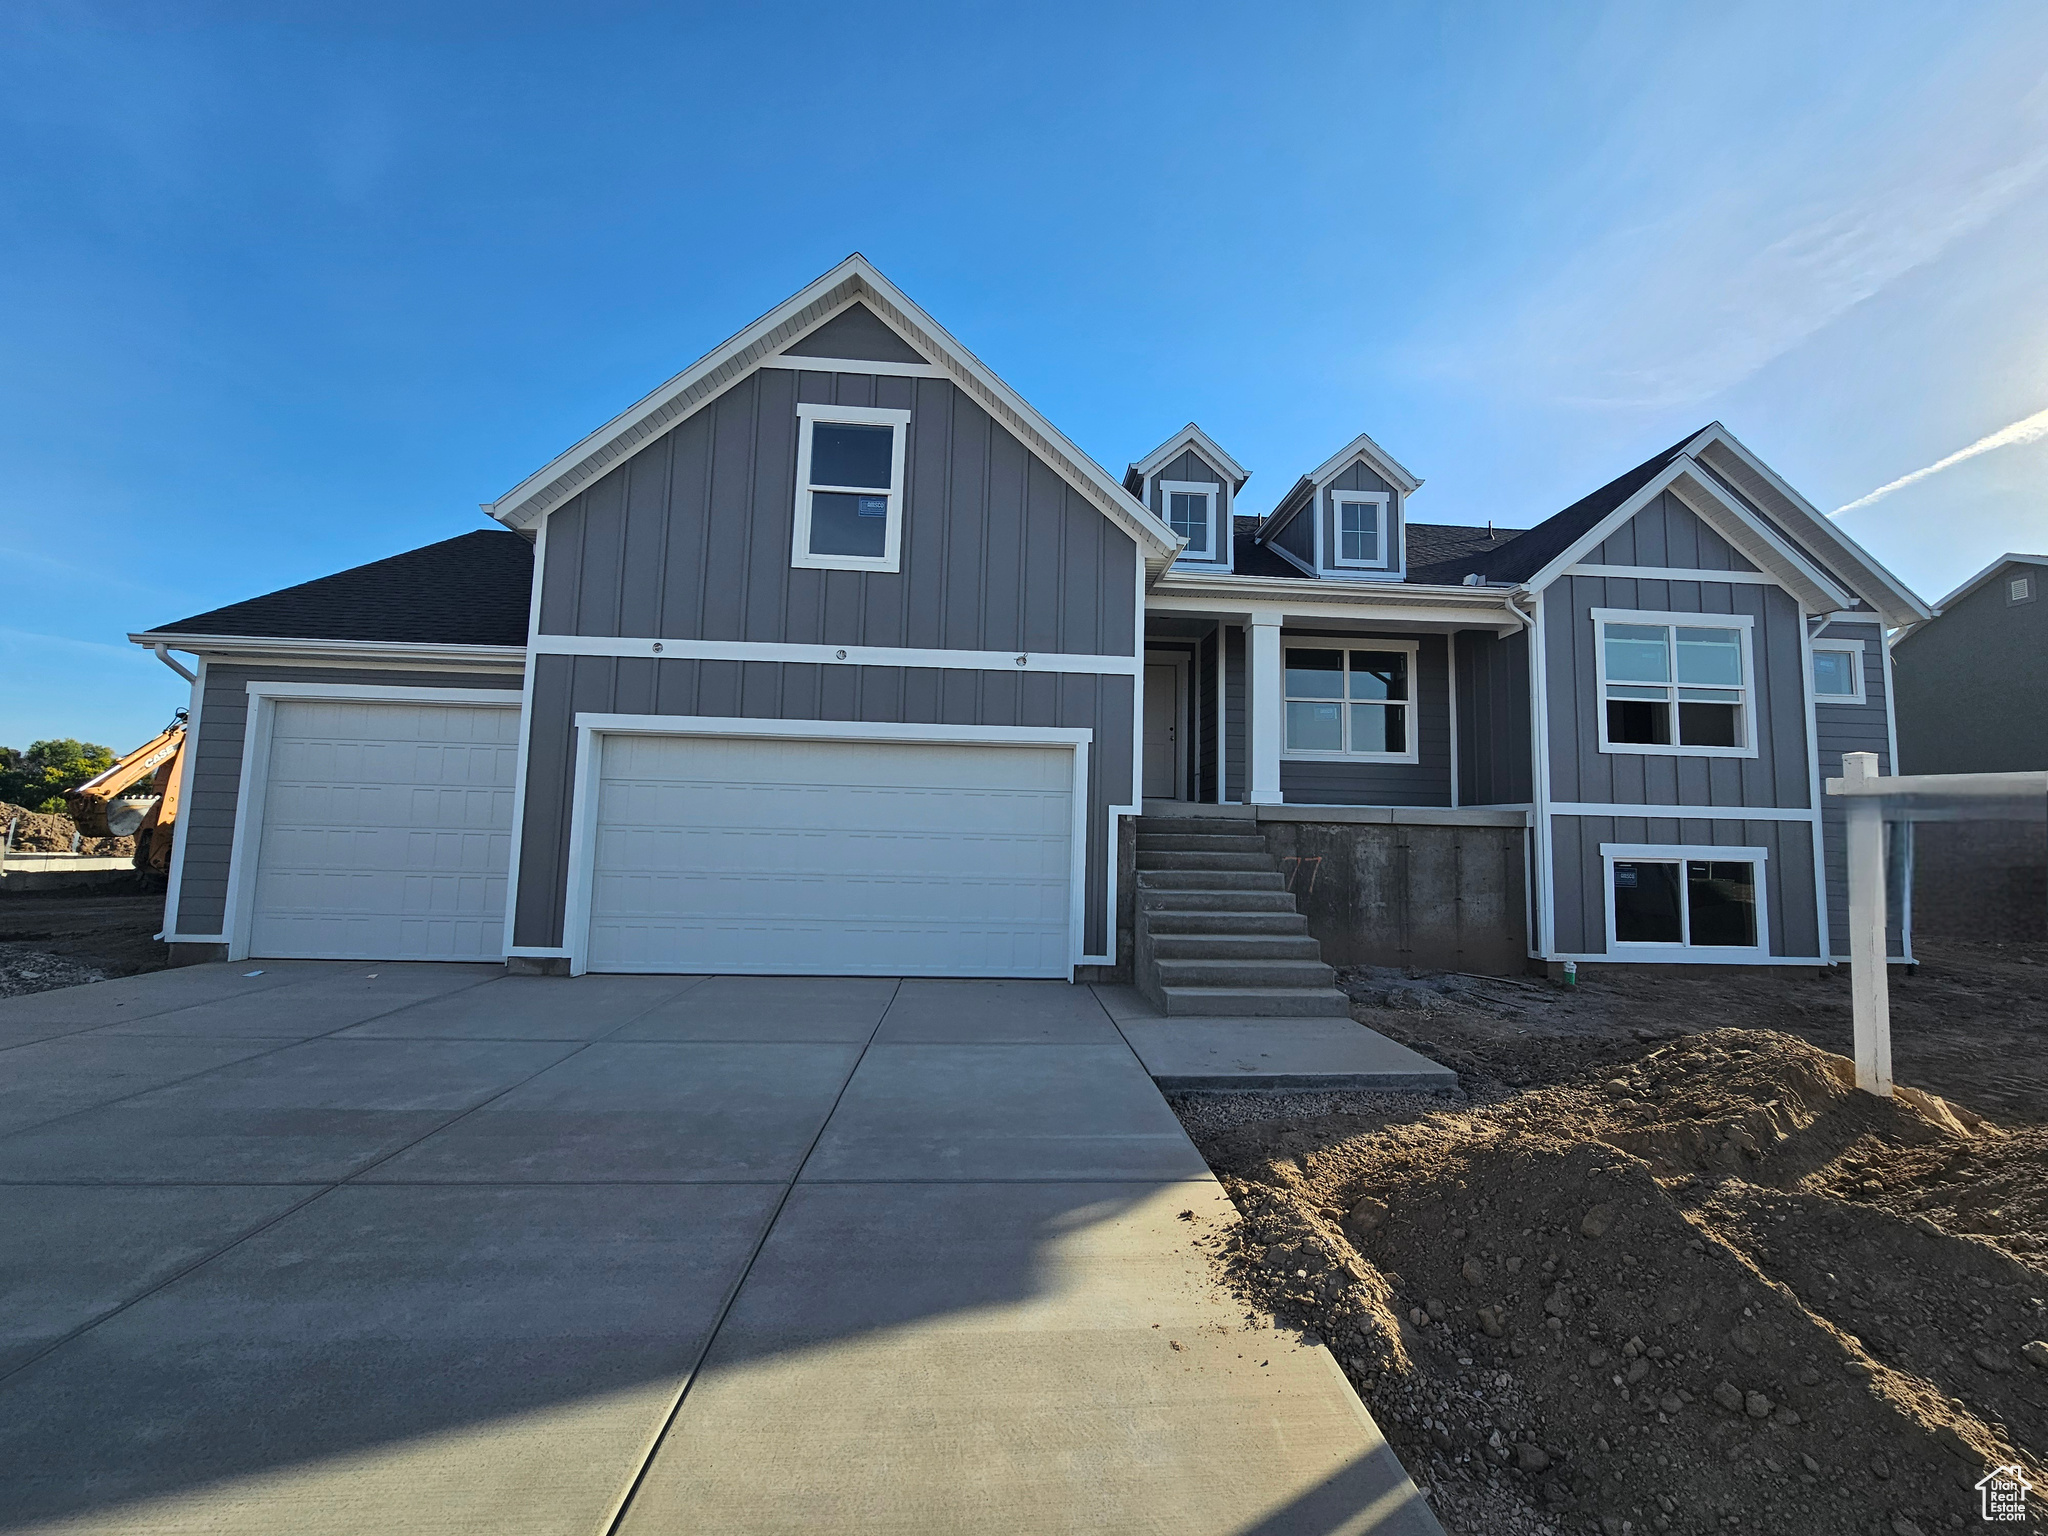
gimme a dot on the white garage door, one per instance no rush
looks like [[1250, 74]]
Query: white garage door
[[387, 829], [831, 858]]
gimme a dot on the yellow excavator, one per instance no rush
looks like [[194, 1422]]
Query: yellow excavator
[[112, 805]]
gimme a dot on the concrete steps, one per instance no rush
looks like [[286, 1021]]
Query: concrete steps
[[1218, 935]]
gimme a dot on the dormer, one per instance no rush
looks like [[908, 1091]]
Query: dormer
[[1191, 485], [1345, 521]]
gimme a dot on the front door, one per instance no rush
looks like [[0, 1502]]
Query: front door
[[1162, 732]]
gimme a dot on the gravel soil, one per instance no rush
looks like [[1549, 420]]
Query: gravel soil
[[66, 938], [1656, 1265]]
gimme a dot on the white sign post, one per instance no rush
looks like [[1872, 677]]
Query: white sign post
[[1868, 985]]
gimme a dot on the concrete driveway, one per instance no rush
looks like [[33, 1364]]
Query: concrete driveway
[[375, 1248]]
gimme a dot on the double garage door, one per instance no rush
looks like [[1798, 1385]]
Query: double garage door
[[386, 833]]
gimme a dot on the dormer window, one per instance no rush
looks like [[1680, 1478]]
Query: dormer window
[[1190, 507], [849, 487], [1360, 522]]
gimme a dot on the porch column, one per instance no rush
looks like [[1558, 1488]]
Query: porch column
[[1262, 666]]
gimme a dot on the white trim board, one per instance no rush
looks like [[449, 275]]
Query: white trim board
[[1682, 812], [344, 653], [1673, 573], [855, 365], [238, 911], [589, 726], [188, 770], [670, 649]]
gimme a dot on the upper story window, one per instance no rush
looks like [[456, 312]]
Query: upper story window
[[1359, 521], [1190, 507], [1350, 701], [849, 487], [1838, 671], [1675, 683]]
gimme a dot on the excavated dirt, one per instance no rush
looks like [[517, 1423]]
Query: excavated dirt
[[66, 938], [42, 832], [1691, 1284]]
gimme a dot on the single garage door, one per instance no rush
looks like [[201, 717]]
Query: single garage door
[[832, 858], [386, 833]]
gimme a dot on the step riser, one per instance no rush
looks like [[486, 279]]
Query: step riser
[[1217, 946], [1150, 860], [1164, 922], [1197, 826], [1149, 842], [1151, 901], [1245, 973], [1211, 880], [1228, 1002]]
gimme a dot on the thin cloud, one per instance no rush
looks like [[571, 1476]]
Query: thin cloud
[[2030, 429]]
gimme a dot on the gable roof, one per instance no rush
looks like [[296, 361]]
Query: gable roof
[[1189, 436], [854, 279], [1985, 575], [1302, 492], [474, 589]]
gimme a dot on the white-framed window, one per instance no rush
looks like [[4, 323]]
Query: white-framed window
[[1675, 683], [1189, 507], [1358, 528], [1673, 898], [1348, 700], [849, 487], [1838, 671]]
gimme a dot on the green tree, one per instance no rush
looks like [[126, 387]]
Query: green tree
[[36, 779]]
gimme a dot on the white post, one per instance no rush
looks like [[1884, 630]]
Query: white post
[[1262, 669], [1869, 988]]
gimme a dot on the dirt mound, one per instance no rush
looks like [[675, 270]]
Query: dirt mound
[[1663, 1293], [42, 832]]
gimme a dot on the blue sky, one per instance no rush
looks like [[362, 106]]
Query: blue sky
[[279, 296]]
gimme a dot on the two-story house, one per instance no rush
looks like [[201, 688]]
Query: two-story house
[[834, 656]]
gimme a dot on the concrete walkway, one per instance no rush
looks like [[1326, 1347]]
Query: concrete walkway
[[370, 1248]]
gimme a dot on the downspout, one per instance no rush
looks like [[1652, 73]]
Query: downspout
[[163, 654], [1539, 733]]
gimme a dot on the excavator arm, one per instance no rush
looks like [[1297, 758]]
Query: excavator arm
[[106, 806]]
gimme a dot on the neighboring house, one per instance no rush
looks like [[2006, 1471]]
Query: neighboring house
[[1972, 686], [833, 655]]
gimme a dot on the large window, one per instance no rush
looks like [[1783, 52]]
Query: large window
[[849, 498], [1838, 671], [1346, 701], [1672, 682], [1190, 507], [1359, 524], [1684, 898]]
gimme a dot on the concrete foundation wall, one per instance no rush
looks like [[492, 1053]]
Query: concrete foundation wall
[[1434, 897]]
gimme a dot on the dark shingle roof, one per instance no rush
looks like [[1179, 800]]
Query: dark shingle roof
[[470, 590]]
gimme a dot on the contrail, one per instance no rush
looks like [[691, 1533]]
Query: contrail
[[2030, 429]]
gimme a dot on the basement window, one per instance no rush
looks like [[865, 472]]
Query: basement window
[[1674, 683], [849, 499], [1684, 898]]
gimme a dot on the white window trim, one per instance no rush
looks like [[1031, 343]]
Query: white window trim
[[809, 416], [1377, 498], [1667, 853], [1218, 551], [1359, 643], [1853, 648], [1744, 622], [584, 774]]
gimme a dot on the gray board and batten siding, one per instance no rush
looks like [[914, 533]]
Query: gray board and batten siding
[[1424, 782], [690, 539], [1972, 682], [207, 816], [1495, 763], [856, 332], [1192, 468], [1669, 533], [1842, 727]]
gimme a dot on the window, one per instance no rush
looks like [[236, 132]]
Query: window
[[1684, 898], [1838, 671], [1190, 507], [849, 497], [1674, 682], [1359, 524], [1342, 701], [2020, 589]]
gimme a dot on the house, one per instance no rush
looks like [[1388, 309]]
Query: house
[[1972, 687], [834, 656]]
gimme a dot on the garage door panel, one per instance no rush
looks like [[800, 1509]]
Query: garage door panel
[[386, 831], [832, 858]]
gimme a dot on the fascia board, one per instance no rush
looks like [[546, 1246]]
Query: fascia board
[[854, 278], [1986, 574], [1344, 593], [1192, 436], [496, 657], [1907, 606], [1723, 514]]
